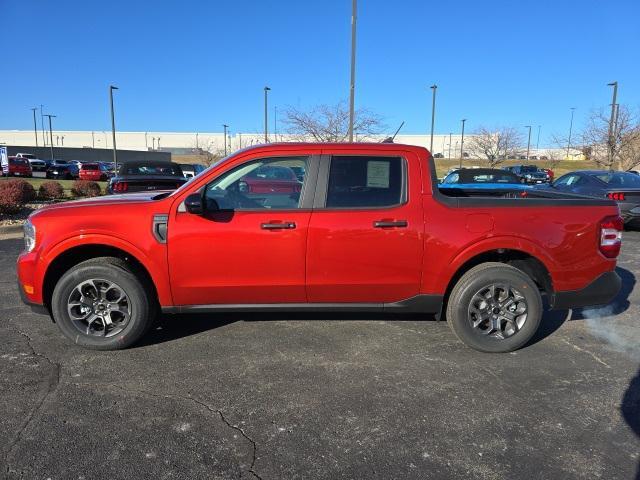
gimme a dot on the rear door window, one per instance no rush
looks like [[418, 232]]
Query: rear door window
[[364, 181]]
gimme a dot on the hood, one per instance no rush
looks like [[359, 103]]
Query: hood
[[104, 201]]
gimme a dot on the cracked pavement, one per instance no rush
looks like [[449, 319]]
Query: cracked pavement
[[291, 396]]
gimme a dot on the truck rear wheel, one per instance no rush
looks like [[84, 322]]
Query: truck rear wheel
[[103, 305], [494, 308]]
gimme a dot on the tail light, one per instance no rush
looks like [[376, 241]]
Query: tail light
[[618, 196], [524, 194], [120, 187], [611, 236]]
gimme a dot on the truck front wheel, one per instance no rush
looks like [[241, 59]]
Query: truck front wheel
[[494, 308], [102, 304]]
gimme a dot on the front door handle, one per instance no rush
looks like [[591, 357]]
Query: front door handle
[[278, 226], [390, 224]]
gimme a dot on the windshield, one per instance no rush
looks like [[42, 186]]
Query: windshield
[[529, 169], [620, 179], [90, 166], [28, 156], [148, 168]]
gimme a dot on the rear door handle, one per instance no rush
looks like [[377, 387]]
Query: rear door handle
[[278, 226], [390, 224]]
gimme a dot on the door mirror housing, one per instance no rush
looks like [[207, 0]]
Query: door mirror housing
[[193, 203]]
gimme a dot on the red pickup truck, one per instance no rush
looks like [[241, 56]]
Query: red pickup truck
[[368, 230]]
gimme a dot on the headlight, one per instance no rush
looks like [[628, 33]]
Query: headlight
[[527, 175], [29, 236]]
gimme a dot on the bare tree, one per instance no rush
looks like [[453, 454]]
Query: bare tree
[[620, 150], [495, 145], [330, 123], [207, 152]]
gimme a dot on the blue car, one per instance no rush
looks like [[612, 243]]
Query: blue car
[[482, 182]]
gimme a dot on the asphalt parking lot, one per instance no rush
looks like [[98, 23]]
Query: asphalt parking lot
[[222, 396]]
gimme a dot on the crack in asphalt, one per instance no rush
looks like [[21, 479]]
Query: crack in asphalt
[[202, 404], [588, 352], [53, 381]]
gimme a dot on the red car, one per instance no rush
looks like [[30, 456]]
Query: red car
[[269, 179], [549, 172], [369, 231], [91, 171], [17, 167]]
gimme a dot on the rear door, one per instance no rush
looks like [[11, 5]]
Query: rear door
[[366, 231]]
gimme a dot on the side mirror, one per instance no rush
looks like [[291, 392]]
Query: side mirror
[[193, 204]]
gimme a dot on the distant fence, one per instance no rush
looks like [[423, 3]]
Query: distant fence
[[89, 154]]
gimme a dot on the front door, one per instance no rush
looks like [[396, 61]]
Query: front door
[[366, 231], [249, 247]]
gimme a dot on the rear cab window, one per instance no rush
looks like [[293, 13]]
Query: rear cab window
[[366, 182]]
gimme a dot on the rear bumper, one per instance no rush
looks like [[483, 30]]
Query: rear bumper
[[599, 292]]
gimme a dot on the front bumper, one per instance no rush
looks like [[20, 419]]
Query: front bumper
[[35, 307], [599, 292]]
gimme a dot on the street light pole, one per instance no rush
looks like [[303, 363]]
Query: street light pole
[[275, 123], [528, 141], [570, 130], [462, 142], [266, 125], [225, 126], [449, 157], [538, 139], [44, 137], [113, 129], [611, 120], [35, 127], [433, 87], [51, 135], [352, 83]]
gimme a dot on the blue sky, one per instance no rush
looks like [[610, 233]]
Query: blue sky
[[193, 65]]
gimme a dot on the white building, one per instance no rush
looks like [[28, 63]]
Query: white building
[[212, 141]]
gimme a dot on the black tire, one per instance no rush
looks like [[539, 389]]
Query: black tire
[[140, 298], [464, 298]]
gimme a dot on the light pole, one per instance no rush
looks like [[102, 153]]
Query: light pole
[[433, 87], [449, 157], [113, 128], [225, 126], [153, 143], [35, 127], [146, 142], [611, 120], [44, 137], [528, 141], [158, 143], [570, 130], [462, 142], [352, 83], [93, 140], [538, 139], [50, 134], [62, 140], [275, 123], [197, 142], [266, 125]]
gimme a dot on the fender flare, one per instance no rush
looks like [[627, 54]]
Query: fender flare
[[158, 275]]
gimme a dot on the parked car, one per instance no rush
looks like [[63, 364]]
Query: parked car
[[107, 169], [77, 163], [37, 165], [62, 170], [482, 182], [369, 231], [623, 187], [299, 171], [146, 175], [529, 173], [16, 167], [91, 171]]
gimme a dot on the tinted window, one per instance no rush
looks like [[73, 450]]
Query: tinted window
[[90, 166], [620, 179], [165, 168], [268, 183], [365, 182]]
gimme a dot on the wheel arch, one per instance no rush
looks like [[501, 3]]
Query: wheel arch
[[69, 257]]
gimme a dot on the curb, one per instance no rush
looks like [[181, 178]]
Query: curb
[[10, 231]]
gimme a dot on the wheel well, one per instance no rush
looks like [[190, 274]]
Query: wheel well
[[76, 255], [516, 258]]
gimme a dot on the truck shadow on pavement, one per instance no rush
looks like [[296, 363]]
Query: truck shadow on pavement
[[173, 327], [630, 409]]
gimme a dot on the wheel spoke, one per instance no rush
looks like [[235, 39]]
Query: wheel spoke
[[497, 310]]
